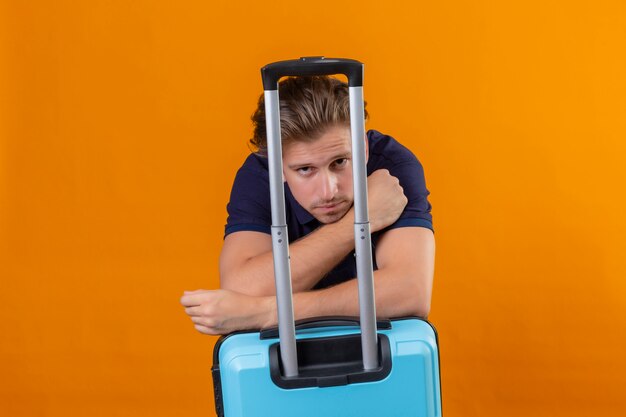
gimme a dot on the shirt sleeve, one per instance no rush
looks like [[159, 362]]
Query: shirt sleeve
[[249, 205], [387, 153], [417, 212]]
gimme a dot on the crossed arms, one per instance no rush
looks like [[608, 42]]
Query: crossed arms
[[246, 300]]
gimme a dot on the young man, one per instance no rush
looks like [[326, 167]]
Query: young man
[[315, 127]]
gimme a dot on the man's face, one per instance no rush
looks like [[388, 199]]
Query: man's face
[[319, 174]]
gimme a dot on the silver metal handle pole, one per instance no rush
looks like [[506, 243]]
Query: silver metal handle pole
[[280, 241], [362, 238], [280, 244]]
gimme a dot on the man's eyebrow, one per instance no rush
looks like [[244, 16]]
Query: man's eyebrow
[[297, 165]]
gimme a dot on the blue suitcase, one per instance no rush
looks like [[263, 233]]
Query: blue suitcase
[[335, 366], [247, 381]]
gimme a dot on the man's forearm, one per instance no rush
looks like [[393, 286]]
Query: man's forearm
[[311, 257], [224, 311], [396, 296]]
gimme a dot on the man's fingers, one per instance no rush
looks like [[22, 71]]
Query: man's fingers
[[205, 321], [195, 298], [193, 311], [187, 301], [203, 329]]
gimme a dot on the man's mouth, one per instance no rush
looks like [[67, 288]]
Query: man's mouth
[[329, 207]]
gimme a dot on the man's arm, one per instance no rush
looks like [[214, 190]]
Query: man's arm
[[403, 286], [246, 262]]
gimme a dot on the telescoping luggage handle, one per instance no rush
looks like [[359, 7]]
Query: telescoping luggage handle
[[280, 243], [312, 65]]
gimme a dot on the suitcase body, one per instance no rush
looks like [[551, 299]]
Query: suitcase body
[[244, 387], [329, 366]]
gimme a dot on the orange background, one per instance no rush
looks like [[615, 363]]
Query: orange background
[[122, 126]]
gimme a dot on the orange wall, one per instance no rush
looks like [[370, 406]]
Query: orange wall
[[122, 124]]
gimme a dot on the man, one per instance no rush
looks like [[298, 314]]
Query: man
[[315, 127]]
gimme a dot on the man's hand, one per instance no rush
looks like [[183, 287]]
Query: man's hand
[[386, 199], [216, 312]]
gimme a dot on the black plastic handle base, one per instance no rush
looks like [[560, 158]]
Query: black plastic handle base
[[312, 65], [317, 322]]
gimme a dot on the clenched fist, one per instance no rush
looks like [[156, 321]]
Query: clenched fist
[[386, 199]]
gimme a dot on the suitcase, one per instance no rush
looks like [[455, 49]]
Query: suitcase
[[328, 366]]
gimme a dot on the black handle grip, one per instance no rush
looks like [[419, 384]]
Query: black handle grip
[[312, 65], [316, 322]]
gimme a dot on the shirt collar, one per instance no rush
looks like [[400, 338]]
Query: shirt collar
[[302, 215]]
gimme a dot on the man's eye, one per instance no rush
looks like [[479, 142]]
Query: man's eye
[[341, 162], [304, 170]]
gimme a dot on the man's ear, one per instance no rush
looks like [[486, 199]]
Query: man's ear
[[367, 149]]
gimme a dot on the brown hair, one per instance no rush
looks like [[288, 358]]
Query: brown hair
[[308, 107]]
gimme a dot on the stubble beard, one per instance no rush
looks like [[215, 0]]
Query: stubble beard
[[327, 218]]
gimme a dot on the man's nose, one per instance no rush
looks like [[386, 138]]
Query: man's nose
[[328, 186]]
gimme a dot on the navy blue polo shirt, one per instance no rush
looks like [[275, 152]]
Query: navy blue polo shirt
[[249, 206]]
